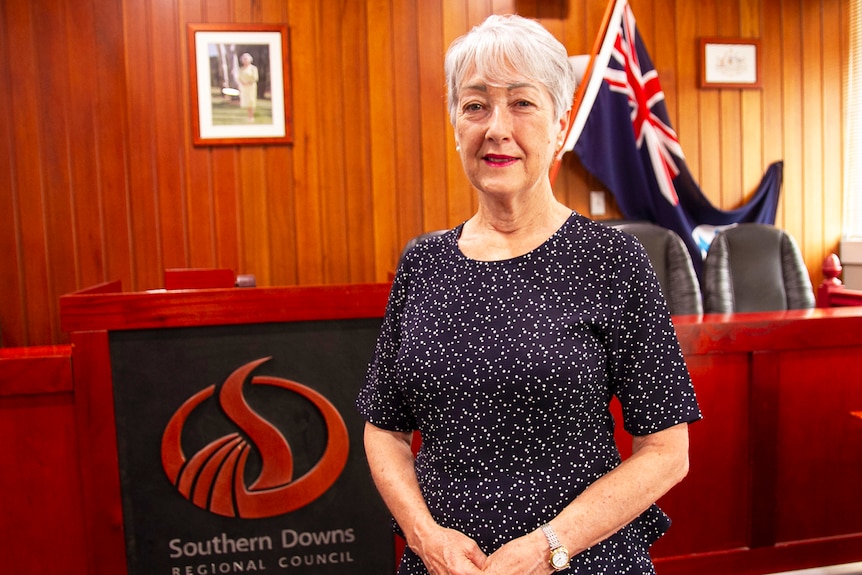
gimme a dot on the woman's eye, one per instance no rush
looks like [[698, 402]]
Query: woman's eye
[[473, 107], [523, 103]]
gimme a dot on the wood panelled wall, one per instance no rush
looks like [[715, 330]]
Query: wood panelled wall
[[99, 179]]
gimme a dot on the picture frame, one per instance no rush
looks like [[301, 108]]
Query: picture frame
[[729, 63], [239, 84]]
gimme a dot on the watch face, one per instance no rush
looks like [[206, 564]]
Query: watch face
[[559, 559]]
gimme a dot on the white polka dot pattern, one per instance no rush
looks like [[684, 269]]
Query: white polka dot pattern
[[507, 369]]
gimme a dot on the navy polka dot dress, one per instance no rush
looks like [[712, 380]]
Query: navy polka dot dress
[[507, 368]]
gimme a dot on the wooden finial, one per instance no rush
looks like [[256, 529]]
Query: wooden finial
[[832, 269]]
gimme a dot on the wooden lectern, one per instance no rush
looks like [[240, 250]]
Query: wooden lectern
[[218, 433]]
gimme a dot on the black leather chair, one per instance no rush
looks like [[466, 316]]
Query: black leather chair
[[672, 264], [755, 267]]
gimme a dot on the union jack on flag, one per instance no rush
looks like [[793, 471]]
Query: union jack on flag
[[622, 134], [641, 87]]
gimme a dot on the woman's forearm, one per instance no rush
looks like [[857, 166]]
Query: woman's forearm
[[443, 550], [390, 459], [658, 462]]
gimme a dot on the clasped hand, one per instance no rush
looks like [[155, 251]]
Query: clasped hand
[[450, 552]]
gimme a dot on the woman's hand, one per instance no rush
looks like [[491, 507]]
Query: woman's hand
[[527, 555], [449, 552]]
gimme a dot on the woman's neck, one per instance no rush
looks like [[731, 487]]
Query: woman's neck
[[504, 230]]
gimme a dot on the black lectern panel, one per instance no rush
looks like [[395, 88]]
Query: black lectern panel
[[240, 450]]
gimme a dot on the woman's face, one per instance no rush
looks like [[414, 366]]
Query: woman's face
[[507, 133]]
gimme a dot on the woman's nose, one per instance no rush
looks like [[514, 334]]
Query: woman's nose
[[499, 124]]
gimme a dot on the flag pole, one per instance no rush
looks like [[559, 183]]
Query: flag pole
[[582, 87]]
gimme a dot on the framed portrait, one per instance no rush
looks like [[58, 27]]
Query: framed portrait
[[239, 79], [729, 63]]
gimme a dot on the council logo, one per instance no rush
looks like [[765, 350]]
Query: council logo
[[214, 478]]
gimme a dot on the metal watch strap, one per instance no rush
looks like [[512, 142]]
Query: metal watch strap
[[551, 536]]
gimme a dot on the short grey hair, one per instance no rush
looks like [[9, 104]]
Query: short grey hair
[[502, 44]]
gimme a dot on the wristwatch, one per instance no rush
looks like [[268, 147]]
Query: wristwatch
[[559, 558]]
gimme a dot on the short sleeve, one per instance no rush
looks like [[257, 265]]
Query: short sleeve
[[381, 400], [648, 372]]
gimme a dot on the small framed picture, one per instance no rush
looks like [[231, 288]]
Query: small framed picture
[[729, 63], [239, 80]]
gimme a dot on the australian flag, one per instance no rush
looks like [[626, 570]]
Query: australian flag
[[622, 134]]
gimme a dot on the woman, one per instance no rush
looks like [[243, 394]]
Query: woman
[[248, 78], [503, 342]]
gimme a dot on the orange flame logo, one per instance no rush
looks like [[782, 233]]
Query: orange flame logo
[[213, 478]]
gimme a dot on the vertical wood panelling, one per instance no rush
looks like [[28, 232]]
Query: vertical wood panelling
[[664, 25], [146, 252], [459, 202], [84, 197], [355, 150], [199, 199], [112, 118], [303, 19], [12, 310], [730, 126], [54, 101], [384, 171], [35, 296], [772, 60], [791, 121], [407, 113], [335, 207], [169, 193], [751, 111], [252, 213], [686, 62], [281, 213], [99, 179], [709, 122], [225, 180], [434, 120], [812, 125]]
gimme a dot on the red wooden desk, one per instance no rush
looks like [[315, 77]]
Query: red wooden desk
[[40, 490], [776, 465]]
